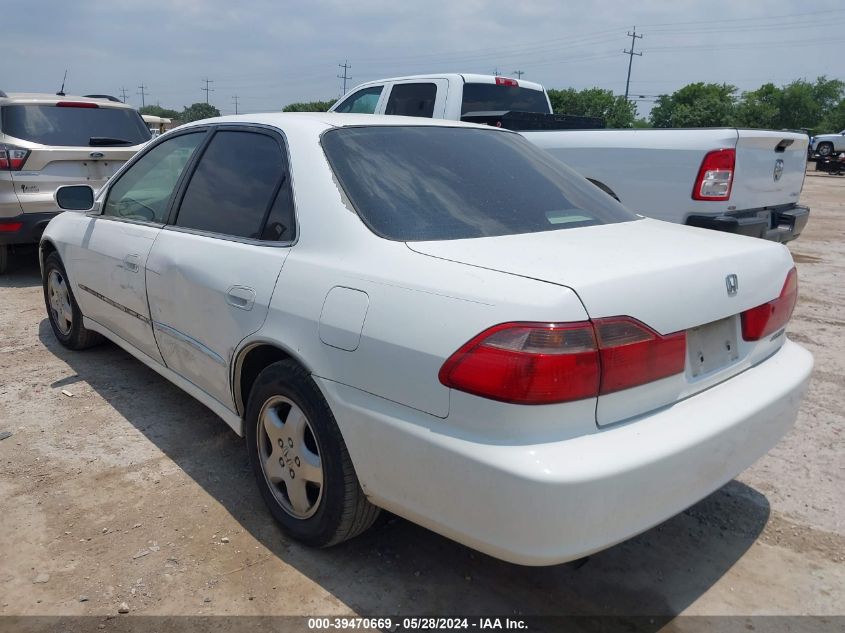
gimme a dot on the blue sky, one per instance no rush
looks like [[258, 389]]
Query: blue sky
[[272, 53]]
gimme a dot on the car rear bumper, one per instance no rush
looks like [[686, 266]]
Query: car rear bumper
[[778, 225], [25, 228], [543, 504]]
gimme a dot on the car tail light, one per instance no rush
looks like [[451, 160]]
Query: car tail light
[[10, 227], [769, 317], [527, 363], [507, 81], [633, 354], [544, 363], [12, 158], [76, 104], [715, 176]]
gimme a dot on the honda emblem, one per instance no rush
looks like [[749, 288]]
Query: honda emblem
[[732, 284]]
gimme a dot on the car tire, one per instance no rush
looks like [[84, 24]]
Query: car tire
[[62, 310], [4, 258], [825, 149], [300, 461]]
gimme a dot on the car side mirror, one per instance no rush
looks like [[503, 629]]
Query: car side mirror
[[75, 197]]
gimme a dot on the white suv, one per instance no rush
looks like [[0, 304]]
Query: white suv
[[51, 140]]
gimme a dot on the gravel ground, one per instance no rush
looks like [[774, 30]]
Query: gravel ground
[[116, 487]]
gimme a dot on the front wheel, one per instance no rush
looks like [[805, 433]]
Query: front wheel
[[300, 461], [825, 149], [62, 309]]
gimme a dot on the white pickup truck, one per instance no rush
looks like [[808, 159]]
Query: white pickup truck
[[735, 180]]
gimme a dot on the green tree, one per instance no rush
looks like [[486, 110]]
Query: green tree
[[834, 119], [309, 106], [595, 102], [760, 108], [696, 105], [806, 103], [155, 110], [198, 111]]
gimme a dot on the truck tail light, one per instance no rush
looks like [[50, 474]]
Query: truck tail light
[[507, 81], [12, 158], [769, 317], [715, 176], [10, 227], [545, 363]]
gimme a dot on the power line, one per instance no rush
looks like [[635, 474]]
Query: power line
[[123, 94], [207, 90], [345, 76], [518, 73], [630, 53], [142, 90], [235, 99]]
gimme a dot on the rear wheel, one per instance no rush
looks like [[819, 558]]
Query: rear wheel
[[300, 460], [62, 309], [825, 149]]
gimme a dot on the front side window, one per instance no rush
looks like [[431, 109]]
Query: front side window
[[362, 102], [412, 100], [414, 183], [143, 191], [234, 185]]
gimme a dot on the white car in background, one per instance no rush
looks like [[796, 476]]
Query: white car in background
[[434, 318], [827, 144]]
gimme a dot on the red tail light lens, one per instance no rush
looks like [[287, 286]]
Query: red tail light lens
[[76, 104], [769, 317], [12, 158], [633, 354], [715, 176], [10, 227], [507, 81], [544, 363], [527, 363]]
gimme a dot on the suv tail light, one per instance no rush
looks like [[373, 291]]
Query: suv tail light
[[12, 158], [769, 317], [507, 81], [76, 104], [715, 176], [544, 363]]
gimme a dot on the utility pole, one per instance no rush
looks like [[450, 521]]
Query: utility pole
[[207, 89], [518, 73], [630, 53], [345, 76], [142, 90], [235, 99], [123, 94], [496, 72]]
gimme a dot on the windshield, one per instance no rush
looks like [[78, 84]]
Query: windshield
[[75, 127], [496, 98], [419, 183]]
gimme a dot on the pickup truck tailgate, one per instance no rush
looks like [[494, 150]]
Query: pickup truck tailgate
[[770, 168]]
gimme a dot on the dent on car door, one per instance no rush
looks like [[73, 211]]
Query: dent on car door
[[211, 273], [109, 262]]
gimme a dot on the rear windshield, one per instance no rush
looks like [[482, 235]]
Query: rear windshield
[[438, 183], [495, 98], [69, 126]]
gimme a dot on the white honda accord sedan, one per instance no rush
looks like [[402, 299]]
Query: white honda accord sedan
[[436, 319]]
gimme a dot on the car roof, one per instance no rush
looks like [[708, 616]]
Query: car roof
[[325, 120], [37, 98], [470, 78]]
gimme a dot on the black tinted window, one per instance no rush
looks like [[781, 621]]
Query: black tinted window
[[234, 183], [74, 126], [496, 98], [412, 100], [362, 102], [440, 183]]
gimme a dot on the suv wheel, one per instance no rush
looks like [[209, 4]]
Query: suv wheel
[[62, 309], [825, 149], [300, 460]]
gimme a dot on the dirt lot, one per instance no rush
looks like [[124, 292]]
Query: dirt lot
[[130, 491]]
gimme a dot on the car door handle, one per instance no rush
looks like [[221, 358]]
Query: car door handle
[[240, 297], [132, 263]]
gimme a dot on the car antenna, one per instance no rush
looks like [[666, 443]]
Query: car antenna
[[61, 91]]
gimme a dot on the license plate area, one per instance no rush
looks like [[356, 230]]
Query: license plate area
[[712, 346]]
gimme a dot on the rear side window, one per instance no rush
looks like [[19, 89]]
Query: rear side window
[[362, 102], [496, 98], [235, 183], [414, 183], [412, 100], [74, 126]]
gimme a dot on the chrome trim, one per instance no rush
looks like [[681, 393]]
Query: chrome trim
[[184, 338], [115, 304]]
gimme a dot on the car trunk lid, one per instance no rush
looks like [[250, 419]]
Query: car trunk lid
[[672, 278]]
